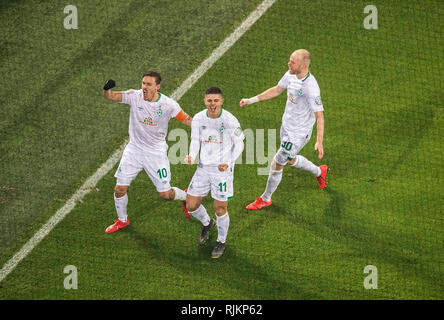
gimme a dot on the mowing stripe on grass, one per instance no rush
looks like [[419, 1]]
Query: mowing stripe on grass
[[91, 182], [223, 47]]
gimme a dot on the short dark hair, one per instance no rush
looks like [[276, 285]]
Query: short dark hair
[[153, 74], [213, 90]]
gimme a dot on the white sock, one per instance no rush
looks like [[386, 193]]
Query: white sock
[[302, 163], [121, 204], [201, 215], [179, 194], [274, 178], [223, 222]]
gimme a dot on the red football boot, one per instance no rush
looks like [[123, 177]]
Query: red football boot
[[117, 226], [321, 179], [185, 210], [258, 204]]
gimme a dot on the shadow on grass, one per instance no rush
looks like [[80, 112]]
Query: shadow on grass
[[336, 205], [232, 274], [375, 242]]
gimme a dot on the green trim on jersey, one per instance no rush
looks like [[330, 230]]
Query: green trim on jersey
[[159, 96], [221, 109], [306, 77], [230, 198]]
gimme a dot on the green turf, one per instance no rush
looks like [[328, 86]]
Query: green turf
[[382, 94], [56, 127]]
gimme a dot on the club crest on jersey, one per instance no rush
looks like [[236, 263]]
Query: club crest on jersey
[[159, 112], [222, 128], [300, 92], [148, 121]]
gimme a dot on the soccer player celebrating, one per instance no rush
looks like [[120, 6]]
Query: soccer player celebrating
[[150, 112], [303, 108], [218, 135]]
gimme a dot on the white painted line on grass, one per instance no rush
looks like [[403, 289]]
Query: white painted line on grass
[[223, 47], [91, 182]]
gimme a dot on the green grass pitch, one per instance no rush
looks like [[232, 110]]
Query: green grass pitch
[[383, 205]]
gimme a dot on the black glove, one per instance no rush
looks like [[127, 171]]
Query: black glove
[[109, 84]]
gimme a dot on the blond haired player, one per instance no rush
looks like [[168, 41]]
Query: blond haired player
[[150, 112], [303, 109], [219, 137]]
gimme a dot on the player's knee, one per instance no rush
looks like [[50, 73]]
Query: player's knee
[[291, 162], [167, 195], [191, 203], [220, 211], [120, 191], [191, 206], [276, 166]]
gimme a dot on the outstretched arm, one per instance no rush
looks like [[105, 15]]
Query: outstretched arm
[[267, 94], [109, 94], [188, 121], [183, 117]]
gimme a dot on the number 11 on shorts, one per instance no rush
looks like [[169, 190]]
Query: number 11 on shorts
[[224, 186]]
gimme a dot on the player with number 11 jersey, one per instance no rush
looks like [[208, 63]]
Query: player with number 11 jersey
[[219, 137]]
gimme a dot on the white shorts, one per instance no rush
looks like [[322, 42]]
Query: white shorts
[[210, 178], [154, 162], [289, 149]]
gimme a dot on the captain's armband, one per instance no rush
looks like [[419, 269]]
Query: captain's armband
[[182, 116]]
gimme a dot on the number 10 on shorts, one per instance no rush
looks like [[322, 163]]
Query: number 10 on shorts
[[163, 173]]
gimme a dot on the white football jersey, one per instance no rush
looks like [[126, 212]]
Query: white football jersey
[[303, 99], [216, 138], [148, 122]]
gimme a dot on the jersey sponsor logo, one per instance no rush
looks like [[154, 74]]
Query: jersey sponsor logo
[[148, 121], [212, 139], [292, 99]]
